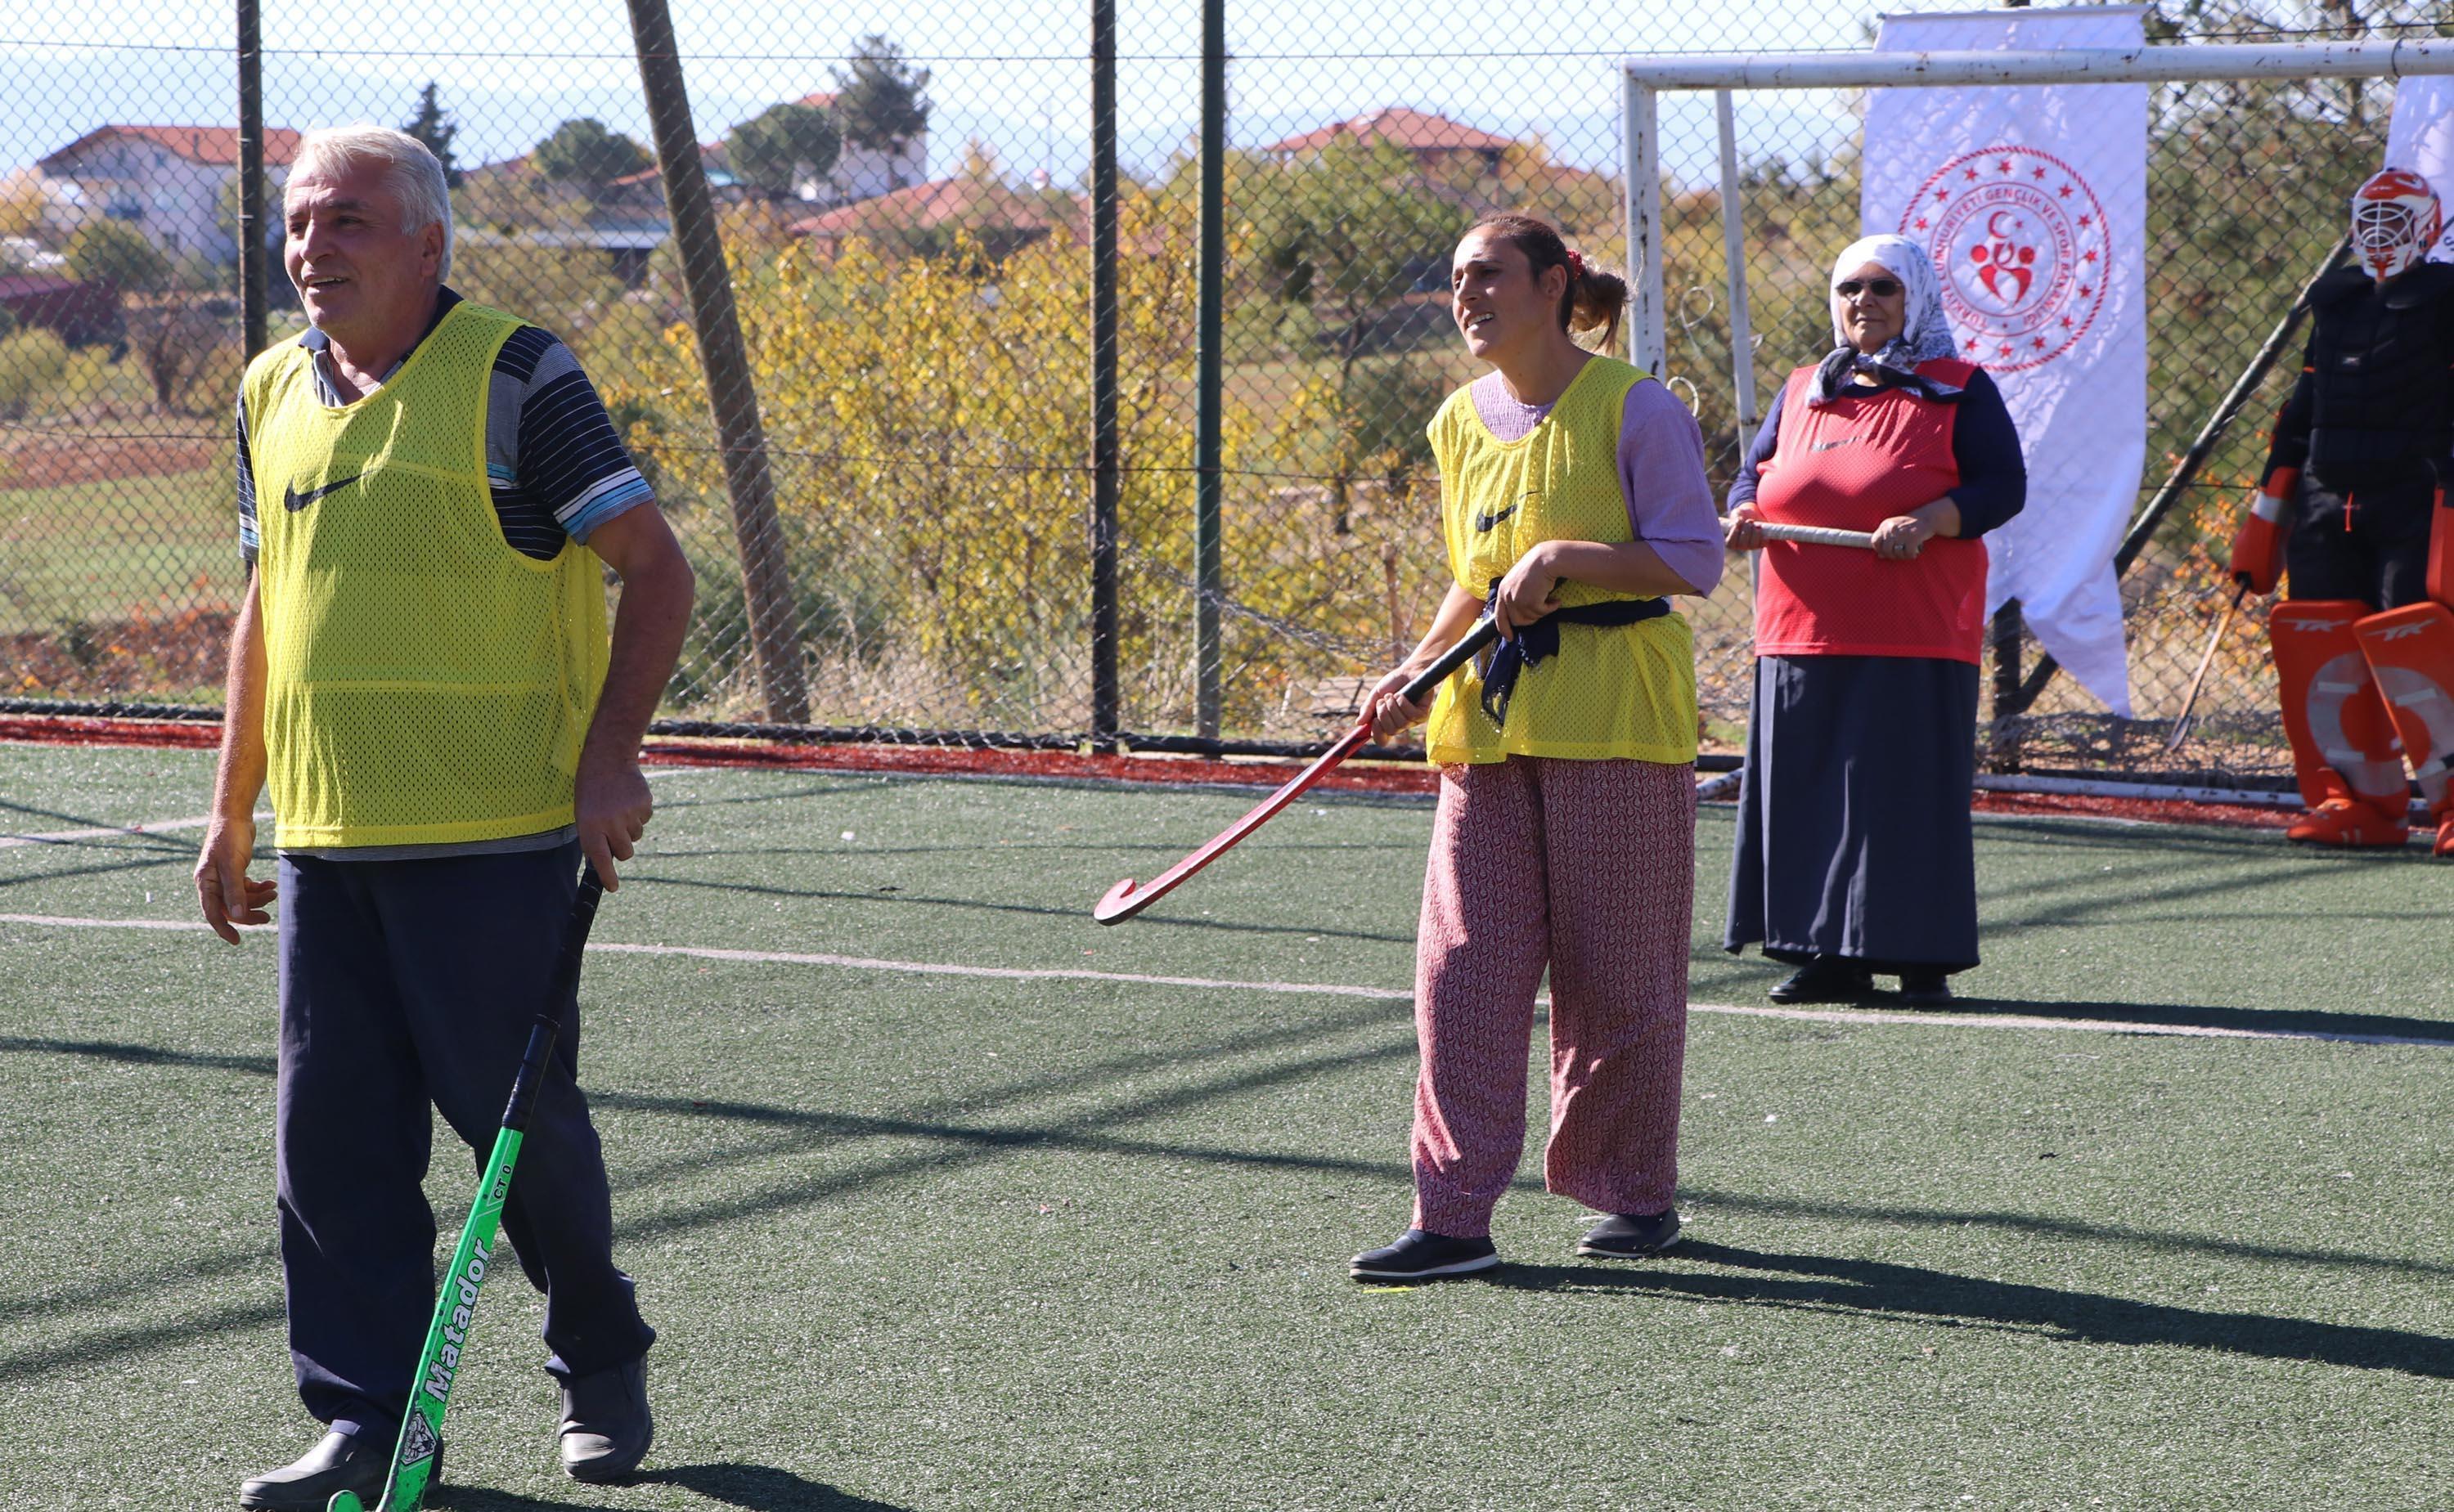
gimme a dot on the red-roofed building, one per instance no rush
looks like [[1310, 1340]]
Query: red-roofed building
[[1432, 140], [167, 181], [926, 218]]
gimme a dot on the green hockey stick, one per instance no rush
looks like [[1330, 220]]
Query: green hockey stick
[[419, 1454]]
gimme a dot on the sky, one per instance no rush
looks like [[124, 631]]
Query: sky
[[1011, 72]]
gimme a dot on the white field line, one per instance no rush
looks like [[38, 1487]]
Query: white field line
[[151, 827], [64, 837], [1839, 1016]]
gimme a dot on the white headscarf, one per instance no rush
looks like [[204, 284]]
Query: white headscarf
[[1925, 334]]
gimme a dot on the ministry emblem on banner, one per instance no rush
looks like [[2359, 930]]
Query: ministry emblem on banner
[[2020, 240]]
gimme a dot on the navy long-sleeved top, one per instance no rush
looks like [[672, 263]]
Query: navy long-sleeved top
[[1993, 473]]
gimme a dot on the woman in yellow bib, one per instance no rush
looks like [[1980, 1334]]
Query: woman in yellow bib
[[1574, 500]]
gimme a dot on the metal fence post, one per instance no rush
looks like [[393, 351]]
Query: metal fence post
[[766, 575], [1209, 381], [2004, 746], [1103, 375], [252, 316]]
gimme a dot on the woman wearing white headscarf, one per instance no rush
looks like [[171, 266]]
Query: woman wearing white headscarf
[[1855, 854]]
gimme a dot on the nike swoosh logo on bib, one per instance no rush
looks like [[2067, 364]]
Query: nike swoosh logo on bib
[[1484, 521], [294, 501]]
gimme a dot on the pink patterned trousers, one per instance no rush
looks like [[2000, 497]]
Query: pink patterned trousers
[[1587, 868]]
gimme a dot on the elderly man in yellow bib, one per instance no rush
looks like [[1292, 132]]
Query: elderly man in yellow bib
[[429, 494], [1574, 502]]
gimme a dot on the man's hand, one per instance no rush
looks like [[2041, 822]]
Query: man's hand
[[613, 806], [229, 896], [1529, 591]]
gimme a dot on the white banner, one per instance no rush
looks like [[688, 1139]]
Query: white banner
[[2034, 203], [2421, 139]]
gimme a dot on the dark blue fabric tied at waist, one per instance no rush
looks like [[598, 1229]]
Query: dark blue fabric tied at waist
[[1533, 643]]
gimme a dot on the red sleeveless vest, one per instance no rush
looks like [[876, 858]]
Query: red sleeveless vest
[[1852, 464]]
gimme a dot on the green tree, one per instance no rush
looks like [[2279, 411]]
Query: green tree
[[880, 96], [772, 149], [1348, 233], [435, 127], [584, 153], [117, 254]]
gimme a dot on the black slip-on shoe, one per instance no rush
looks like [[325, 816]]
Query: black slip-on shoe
[[1926, 989], [1826, 979], [1631, 1236], [606, 1425], [1422, 1256], [343, 1461]]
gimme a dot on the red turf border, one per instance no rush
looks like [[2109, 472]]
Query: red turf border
[[1375, 777]]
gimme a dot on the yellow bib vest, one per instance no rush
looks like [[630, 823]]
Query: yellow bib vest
[[1620, 690], [424, 683]]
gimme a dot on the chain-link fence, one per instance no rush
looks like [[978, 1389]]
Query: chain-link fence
[[970, 526]]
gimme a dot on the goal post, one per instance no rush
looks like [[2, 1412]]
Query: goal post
[[1645, 79], [2322, 134]]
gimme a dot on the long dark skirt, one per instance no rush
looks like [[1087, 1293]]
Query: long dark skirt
[[1854, 836]]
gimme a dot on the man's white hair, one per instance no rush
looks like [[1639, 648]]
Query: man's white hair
[[411, 171]]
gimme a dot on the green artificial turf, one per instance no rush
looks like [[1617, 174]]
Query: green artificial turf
[[935, 1241]]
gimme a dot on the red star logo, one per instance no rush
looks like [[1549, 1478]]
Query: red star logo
[[2004, 166], [2039, 344], [2037, 174], [1968, 173], [2066, 322], [2065, 191], [1920, 223], [2006, 351], [1972, 343], [2087, 257], [1940, 195], [2085, 290], [2086, 221]]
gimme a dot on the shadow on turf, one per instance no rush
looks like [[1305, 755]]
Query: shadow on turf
[[1825, 1283], [757, 1486]]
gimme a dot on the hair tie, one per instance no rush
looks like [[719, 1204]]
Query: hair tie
[[1576, 264]]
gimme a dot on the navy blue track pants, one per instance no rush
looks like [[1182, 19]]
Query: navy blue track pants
[[407, 985]]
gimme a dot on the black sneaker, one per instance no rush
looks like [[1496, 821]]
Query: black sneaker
[[1926, 989], [1826, 979], [1631, 1236], [606, 1426], [1421, 1256], [343, 1461]]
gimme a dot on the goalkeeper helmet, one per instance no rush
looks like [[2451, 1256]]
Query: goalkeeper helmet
[[2394, 222]]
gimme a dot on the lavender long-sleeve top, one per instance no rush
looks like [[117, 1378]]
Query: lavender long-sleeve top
[[1660, 472]]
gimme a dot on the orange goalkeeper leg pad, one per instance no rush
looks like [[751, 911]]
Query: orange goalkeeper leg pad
[[2410, 651], [2343, 746]]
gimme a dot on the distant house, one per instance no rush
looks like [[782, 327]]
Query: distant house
[[167, 181], [79, 314], [1434, 141], [926, 218], [864, 172]]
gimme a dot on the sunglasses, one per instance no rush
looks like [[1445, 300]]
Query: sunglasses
[[1879, 288]]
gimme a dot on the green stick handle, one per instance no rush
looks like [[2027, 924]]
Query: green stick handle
[[416, 1458]]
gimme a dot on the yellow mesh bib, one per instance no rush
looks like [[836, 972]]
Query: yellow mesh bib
[[1622, 690], [424, 683]]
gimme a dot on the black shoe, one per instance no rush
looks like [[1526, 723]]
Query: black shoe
[[606, 1426], [1926, 989], [342, 1462], [1631, 1236], [1826, 979], [1421, 1256]]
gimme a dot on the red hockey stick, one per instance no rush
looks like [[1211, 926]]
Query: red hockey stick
[[1124, 900]]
